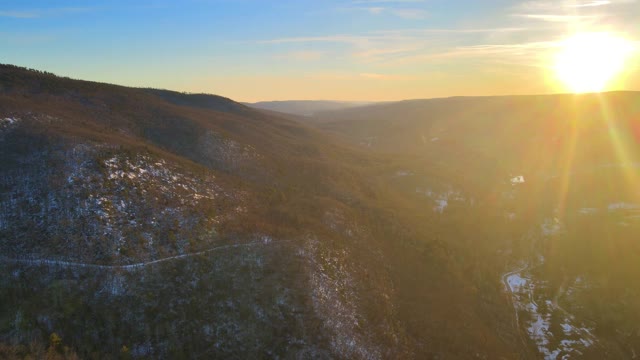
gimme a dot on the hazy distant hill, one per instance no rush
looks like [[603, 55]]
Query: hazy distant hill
[[515, 131], [305, 107]]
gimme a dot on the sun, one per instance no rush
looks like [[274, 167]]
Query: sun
[[588, 62]]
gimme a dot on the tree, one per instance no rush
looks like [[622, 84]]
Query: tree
[[53, 352]]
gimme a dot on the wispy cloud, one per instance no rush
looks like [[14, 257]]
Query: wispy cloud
[[25, 38], [372, 10], [554, 5], [364, 48], [523, 54], [580, 13], [349, 39], [41, 13], [424, 31], [410, 13], [376, 76], [405, 13], [384, 44], [385, 51], [348, 75], [19, 14], [406, 9], [592, 4], [306, 55], [390, 47], [386, 1], [559, 17], [391, 35]]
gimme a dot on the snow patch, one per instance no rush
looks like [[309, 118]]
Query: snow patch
[[588, 211], [441, 204], [568, 329], [551, 227], [515, 282], [369, 141], [442, 199], [623, 206], [517, 180], [403, 173], [8, 122], [265, 239]]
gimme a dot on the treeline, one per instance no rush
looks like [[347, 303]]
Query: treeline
[[56, 350]]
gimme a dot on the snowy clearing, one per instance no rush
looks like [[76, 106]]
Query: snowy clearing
[[541, 313]]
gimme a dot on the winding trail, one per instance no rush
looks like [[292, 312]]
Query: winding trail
[[132, 267]]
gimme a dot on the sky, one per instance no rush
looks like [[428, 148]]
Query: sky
[[352, 50]]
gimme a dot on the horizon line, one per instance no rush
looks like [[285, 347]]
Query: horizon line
[[368, 102]]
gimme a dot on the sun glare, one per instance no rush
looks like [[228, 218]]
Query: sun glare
[[588, 62]]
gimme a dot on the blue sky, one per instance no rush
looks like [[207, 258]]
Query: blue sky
[[253, 50]]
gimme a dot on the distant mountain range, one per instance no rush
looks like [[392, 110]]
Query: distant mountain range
[[145, 223], [305, 107]]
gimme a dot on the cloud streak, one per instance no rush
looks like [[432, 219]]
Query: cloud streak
[[348, 39], [570, 4], [405, 13], [406, 9], [593, 4], [376, 76], [387, 1], [410, 13], [392, 35], [42, 13], [524, 54], [19, 14], [308, 55], [402, 46], [558, 17]]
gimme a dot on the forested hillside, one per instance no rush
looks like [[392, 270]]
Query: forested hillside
[[189, 224]]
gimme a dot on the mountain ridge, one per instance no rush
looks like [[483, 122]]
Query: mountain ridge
[[107, 175]]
